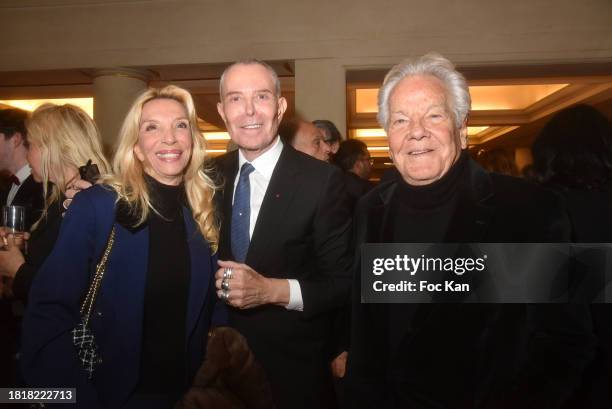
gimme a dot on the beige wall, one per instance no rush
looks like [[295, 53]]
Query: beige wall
[[323, 37], [60, 34], [320, 91]]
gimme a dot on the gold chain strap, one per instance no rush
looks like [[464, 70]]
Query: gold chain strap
[[95, 283]]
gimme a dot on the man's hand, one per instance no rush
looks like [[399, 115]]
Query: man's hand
[[19, 241], [248, 288], [11, 258], [338, 365]]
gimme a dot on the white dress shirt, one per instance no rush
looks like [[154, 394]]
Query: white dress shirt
[[22, 174], [259, 180]]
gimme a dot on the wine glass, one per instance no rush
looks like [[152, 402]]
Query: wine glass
[[14, 221]]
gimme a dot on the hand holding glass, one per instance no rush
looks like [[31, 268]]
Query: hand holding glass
[[13, 220]]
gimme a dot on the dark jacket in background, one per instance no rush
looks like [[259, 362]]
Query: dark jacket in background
[[590, 213], [356, 187]]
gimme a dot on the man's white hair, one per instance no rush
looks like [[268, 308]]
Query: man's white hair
[[437, 66]]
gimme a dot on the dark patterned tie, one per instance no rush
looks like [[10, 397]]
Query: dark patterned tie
[[241, 214]]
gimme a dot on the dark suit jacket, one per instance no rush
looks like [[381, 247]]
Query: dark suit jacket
[[466, 355], [302, 232], [49, 357], [29, 195], [356, 187]]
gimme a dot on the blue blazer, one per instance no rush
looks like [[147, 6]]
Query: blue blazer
[[48, 356]]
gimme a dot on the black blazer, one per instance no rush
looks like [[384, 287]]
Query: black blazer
[[466, 355], [302, 232], [30, 195]]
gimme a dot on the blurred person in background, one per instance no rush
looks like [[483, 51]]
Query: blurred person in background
[[305, 137], [331, 135], [573, 156], [354, 159], [61, 139], [498, 161], [20, 189]]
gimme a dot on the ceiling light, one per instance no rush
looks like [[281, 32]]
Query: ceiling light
[[86, 104], [484, 97], [370, 133], [216, 136]]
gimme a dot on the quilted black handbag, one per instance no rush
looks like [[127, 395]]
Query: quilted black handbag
[[82, 336]]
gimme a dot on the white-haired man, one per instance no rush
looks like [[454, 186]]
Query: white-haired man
[[455, 355]]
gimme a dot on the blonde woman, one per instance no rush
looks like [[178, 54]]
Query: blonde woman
[[157, 296], [61, 139]]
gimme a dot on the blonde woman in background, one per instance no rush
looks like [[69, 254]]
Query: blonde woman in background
[[157, 297], [61, 139]]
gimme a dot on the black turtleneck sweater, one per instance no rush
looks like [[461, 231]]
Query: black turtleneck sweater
[[163, 359], [422, 214]]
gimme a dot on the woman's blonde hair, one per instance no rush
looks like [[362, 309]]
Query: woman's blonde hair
[[67, 138], [128, 179]]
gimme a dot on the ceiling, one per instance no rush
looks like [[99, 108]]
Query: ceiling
[[500, 106]]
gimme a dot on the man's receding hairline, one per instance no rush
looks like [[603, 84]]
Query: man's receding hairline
[[246, 64]]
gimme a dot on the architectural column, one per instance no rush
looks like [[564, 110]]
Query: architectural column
[[320, 91], [114, 92]]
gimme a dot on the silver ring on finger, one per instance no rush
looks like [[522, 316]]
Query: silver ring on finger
[[225, 285], [225, 295], [227, 273]]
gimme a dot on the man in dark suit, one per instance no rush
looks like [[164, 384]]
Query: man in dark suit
[[23, 190], [285, 226]]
